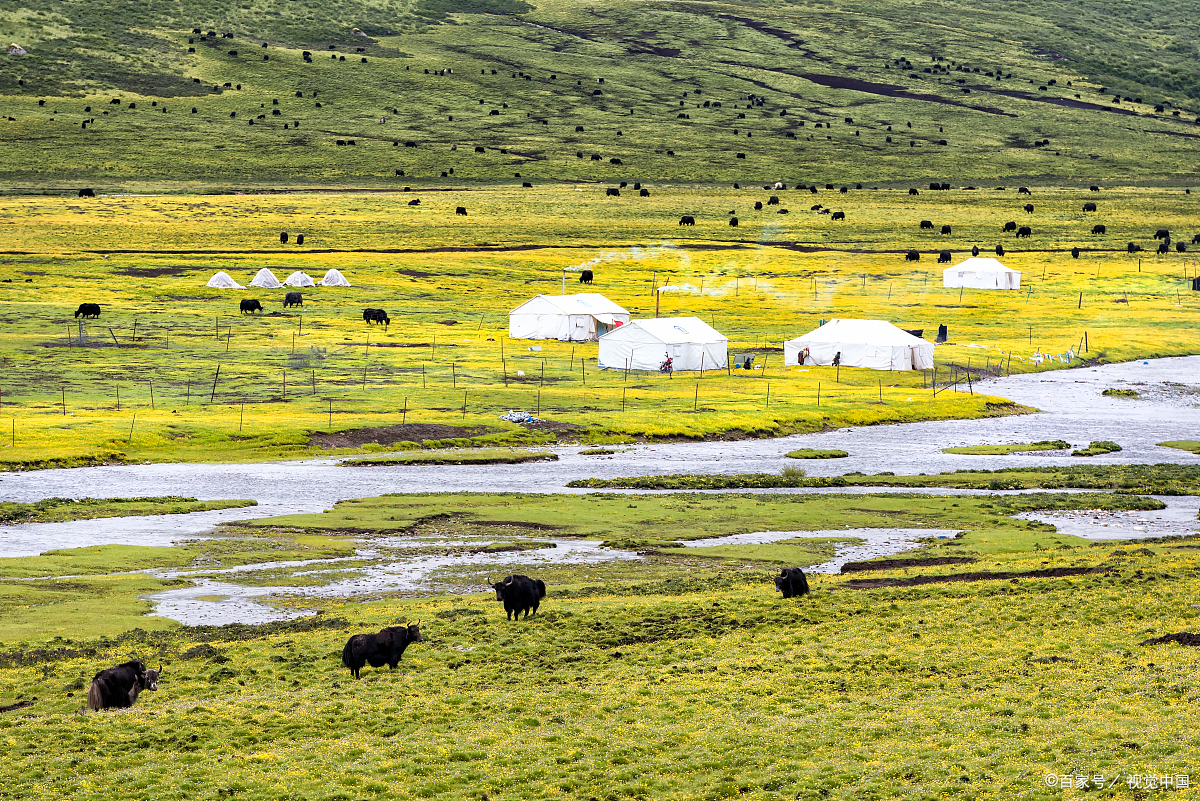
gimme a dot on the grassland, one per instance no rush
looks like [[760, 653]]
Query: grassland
[[816, 453], [632, 682], [57, 510], [1003, 450], [287, 377], [1182, 444], [808, 93]]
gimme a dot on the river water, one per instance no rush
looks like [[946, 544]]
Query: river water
[[1072, 408]]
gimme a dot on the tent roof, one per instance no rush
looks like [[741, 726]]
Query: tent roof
[[861, 332], [298, 278], [670, 330], [266, 280], [334, 278], [980, 264], [222, 280], [583, 303]]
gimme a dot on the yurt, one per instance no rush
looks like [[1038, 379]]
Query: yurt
[[691, 344], [570, 318], [874, 344], [299, 278], [222, 281], [334, 278], [266, 279], [979, 272]]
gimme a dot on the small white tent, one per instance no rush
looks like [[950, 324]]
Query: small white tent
[[569, 318], [223, 281], [691, 343], [875, 344], [266, 280], [298, 278], [981, 273], [334, 278]]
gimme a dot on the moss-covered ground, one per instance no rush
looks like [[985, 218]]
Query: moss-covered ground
[[58, 510], [1002, 450]]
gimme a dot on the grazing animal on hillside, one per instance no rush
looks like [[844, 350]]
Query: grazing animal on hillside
[[975, 250], [758, 205], [612, 192], [791, 582], [461, 211], [377, 316], [999, 250], [120, 686], [1023, 190], [415, 202], [687, 219], [586, 276], [912, 255], [838, 215], [946, 229], [1094, 188], [300, 239], [283, 237], [1029, 208], [1196, 239], [1074, 253], [1164, 247], [913, 192], [1089, 206], [293, 299], [773, 200], [526, 185], [1181, 247], [733, 222], [520, 594], [377, 650], [1162, 233], [249, 306], [1010, 226], [87, 310], [926, 225], [87, 193], [1025, 231], [1134, 247], [643, 192], [943, 257], [1099, 229]]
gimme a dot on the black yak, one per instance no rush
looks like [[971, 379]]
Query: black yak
[[86, 310], [119, 686], [249, 306], [377, 650], [520, 594], [791, 582]]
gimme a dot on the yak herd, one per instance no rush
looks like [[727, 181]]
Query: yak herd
[[118, 687]]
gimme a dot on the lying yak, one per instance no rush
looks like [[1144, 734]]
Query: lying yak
[[791, 582], [386, 647], [520, 594], [119, 686]]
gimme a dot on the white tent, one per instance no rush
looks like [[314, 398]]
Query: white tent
[[223, 281], [875, 344], [334, 278], [266, 280], [579, 317], [981, 273], [644, 344], [298, 278]]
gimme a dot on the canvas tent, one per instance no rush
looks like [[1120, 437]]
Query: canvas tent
[[874, 344], [981, 273], [691, 343], [298, 278], [223, 281], [266, 280], [334, 278], [570, 318]]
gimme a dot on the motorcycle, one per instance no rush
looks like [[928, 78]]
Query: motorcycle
[[666, 366]]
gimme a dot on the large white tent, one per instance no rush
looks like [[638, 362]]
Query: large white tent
[[298, 278], [334, 278], [266, 280], [978, 272], [691, 343], [222, 280], [875, 344], [580, 317]]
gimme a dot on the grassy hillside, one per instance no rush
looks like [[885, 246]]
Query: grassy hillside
[[1042, 90]]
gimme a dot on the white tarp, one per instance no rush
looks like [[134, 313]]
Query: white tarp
[[298, 278], [978, 272], [570, 318], [875, 344], [691, 343], [334, 278], [266, 280], [223, 281]]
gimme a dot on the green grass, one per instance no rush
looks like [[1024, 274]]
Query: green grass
[[59, 510], [1097, 448], [811, 453], [1120, 393], [1003, 450], [488, 456], [1182, 444], [801, 551], [93, 560]]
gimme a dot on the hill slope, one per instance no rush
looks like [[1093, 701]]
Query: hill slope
[[869, 91]]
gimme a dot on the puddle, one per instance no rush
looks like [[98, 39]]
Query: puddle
[[875, 542]]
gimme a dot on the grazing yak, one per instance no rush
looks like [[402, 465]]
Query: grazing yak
[[1094, 188], [283, 237], [1025, 231], [999, 250], [1023, 190], [377, 316], [293, 299], [912, 255], [838, 215], [758, 205], [791, 582], [1162, 233], [520, 594], [926, 225], [733, 222], [687, 219], [415, 202], [612, 192], [586, 276], [250, 306], [975, 250], [377, 650], [1099, 229], [913, 192], [945, 229], [773, 200], [1164, 247], [87, 193], [119, 686], [1134, 247], [300, 239], [86, 310], [1029, 208], [1196, 239], [1089, 206], [943, 257], [1074, 253], [461, 211], [643, 192], [1010, 226]]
